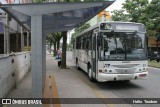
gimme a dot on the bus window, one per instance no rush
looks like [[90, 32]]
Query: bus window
[[84, 41], [90, 39]]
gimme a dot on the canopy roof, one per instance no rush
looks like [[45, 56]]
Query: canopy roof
[[56, 16]]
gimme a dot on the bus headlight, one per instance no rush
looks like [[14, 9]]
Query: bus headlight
[[103, 71]]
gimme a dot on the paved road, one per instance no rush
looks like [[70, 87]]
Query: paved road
[[149, 88]]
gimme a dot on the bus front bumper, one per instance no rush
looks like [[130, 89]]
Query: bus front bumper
[[102, 77]]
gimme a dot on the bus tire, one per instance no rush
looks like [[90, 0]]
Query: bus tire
[[90, 75], [77, 64]]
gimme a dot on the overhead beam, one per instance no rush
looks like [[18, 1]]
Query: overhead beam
[[11, 15], [53, 30], [58, 7]]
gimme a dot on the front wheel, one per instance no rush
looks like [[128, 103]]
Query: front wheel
[[77, 65], [90, 75]]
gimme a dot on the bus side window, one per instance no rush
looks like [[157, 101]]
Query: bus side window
[[81, 40], [87, 41], [78, 43], [90, 39], [84, 41]]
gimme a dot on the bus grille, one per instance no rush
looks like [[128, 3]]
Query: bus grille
[[126, 71], [125, 66]]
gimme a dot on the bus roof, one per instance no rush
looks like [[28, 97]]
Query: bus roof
[[111, 22]]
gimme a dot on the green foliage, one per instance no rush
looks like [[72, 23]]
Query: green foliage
[[151, 33], [119, 15], [157, 36], [38, 1], [50, 39], [135, 11], [153, 11]]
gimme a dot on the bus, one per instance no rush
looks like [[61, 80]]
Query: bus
[[112, 51]]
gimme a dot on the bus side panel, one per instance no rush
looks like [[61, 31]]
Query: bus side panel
[[82, 60], [74, 52]]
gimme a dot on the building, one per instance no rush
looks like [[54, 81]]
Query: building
[[102, 16], [14, 30], [152, 44]]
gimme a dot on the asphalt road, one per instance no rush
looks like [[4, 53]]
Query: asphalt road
[[148, 88]]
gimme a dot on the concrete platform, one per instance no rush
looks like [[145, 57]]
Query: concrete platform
[[60, 83]]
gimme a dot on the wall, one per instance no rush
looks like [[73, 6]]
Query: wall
[[13, 68]]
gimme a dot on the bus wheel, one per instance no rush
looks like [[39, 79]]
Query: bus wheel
[[77, 64], [90, 75]]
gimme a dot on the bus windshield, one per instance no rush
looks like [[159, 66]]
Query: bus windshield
[[121, 46]]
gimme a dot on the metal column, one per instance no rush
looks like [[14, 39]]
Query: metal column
[[37, 56], [5, 40], [27, 40], [44, 58], [22, 39], [6, 36], [17, 50]]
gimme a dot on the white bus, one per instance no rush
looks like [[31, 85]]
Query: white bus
[[112, 51]]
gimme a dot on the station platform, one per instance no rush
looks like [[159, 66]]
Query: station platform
[[60, 83]]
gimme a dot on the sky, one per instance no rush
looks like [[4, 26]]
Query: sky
[[116, 5]]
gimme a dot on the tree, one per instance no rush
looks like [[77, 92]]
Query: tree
[[57, 36], [64, 48], [136, 9], [132, 10], [153, 23], [54, 38], [51, 41], [118, 15], [39, 1]]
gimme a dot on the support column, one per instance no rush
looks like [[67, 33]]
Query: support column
[[22, 39], [6, 36], [5, 40], [44, 58], [17, 42], [27, 40], [37, 56]]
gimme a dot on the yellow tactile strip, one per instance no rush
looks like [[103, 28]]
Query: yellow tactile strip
[[50, 90]]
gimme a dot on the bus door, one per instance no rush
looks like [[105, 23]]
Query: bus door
[[94, 53]]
